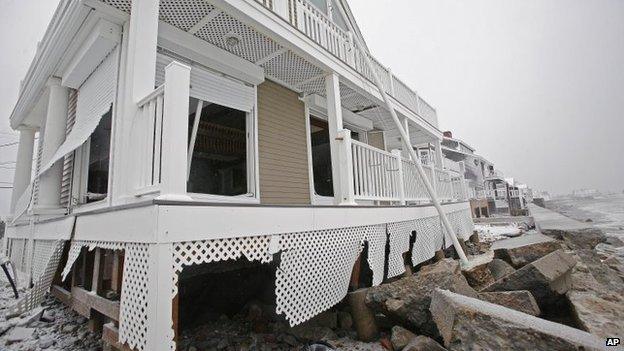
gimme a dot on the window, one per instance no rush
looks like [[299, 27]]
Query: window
[[321, 157], [218, 143], [99, 159]]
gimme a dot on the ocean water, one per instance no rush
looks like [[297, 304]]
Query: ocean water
[[605, 212]]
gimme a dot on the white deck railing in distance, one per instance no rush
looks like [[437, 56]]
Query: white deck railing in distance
[[415, 190]]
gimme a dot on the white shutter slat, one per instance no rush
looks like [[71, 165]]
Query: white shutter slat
[[68, 161], [210, 87], [95, 97]]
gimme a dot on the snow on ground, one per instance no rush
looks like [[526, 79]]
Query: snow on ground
[[490, 233]]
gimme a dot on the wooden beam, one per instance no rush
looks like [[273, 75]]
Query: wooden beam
[[96, 277], [106, 307], [110, 335]]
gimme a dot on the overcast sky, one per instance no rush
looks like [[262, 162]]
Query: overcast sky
[[536, 86]]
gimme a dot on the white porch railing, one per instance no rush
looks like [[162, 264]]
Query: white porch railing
[[317, 25], [148, 129], [376, 173], [386, 176], [159, 131]]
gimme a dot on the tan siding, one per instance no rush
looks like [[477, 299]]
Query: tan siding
[[282, 147]]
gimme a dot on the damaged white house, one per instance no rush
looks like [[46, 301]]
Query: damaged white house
[[169, 136]]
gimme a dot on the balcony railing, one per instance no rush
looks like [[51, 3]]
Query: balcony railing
[[387, 176], [316, 25]]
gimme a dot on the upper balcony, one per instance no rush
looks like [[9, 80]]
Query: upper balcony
[[297, 44]]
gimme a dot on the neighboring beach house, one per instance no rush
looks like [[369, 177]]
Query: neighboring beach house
[[169, 135]]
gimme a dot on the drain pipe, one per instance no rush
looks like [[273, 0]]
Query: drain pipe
[[408, 146]]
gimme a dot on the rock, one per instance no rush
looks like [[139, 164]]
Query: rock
[[46, 342], [547, 278], [582, 238], [290, 340], [423, 343], [469, 324], [520, 256], [614, 241], [596, 296], [328, 319], [4, 327], [18, 334], [401, 337], [406, 301], [598, 314], [386, 344], [345, 321], [521, 300], [30, 317], [500, 268], [69, 328], [602, 272], [48, 316], [312, 333], [479, 276]]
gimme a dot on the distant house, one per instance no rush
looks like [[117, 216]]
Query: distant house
[[186, 133]]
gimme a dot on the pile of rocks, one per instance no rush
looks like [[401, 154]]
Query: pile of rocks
[[51, 327], [540, 292]]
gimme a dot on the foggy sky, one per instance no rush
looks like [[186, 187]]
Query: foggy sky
[[536, 86]]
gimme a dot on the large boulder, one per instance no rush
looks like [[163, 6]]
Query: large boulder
[[575, 239], [423, 343], [499, 268], [466, 323], [520, 256], [599, 314], [479, 276], [406, 301], [596, 296], [521, 300], [547, 278]]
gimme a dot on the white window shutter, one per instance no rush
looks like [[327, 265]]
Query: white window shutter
[[211, 87], [68, 161], [95, 97]]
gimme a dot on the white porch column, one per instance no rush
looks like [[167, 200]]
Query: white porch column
[[439, 158], [54, 135], [405, 122], [23, 166], [142, 47], [138, 69], [175, 132], [339, 157]]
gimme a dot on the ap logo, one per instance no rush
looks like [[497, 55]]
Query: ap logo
[[613, 341]]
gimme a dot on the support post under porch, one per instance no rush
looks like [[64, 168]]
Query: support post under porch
[[160, 332], [340, 144]]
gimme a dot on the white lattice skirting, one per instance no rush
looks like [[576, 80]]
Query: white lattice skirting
[[313, 274], [47, 254]]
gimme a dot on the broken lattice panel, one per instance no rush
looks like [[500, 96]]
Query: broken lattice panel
[[400, 233], [208, 251], [376, 237], [34, 297]]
